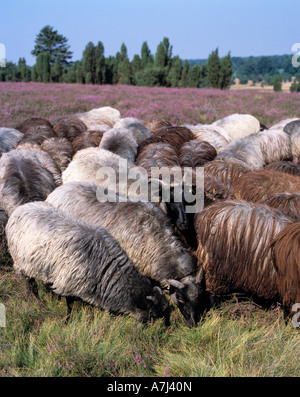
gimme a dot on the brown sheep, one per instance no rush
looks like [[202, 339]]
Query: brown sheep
[[33, 122], [226, 171], [286, 247], [87, 139], [60, 150], [195, 153], [289, 203], [256, 186], [234, 248], [284, 166], [157, 155], [156, 125], [38, 134], [175, 136], [70, 128]]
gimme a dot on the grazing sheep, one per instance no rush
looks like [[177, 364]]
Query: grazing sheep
[[246, 150], [295, 144], [148, 141], [87, 139], [215, 189], [257, 186], [227, 170], [38, 134], [23, 179], [121, 142], [239, 125], [138, 130], [157, 155], [99, 116], [211, 135], [234, 248], [32, 123], [70, 128], [286, 202], [9, 139], [281, 124], [284, 166], [292, 127], [275, 145], [196, 153], [210, 127], [174, 136], [145, 234], [60, 150], [286, 245], [78, 260], [156, 125]]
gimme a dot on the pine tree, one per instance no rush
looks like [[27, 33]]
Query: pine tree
[[225, 72], [43, 67], [213, 69], [195, 76], [99, 63], [124, 71], [146, 57], [88, 63], [185, 74], [174, 75], [51, 42]]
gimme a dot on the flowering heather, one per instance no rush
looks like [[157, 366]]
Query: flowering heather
[[19, 101]]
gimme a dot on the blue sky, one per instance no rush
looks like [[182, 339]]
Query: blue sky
[[194, 27]]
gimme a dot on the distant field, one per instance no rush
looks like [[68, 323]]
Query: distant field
[[237, 339], [19, 101]]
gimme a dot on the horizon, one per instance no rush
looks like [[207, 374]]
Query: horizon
[[194, 28]]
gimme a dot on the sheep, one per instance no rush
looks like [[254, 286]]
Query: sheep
[[215, 189], [121, 142], [292, 127], [23, 179], [239, 125], [234, 251], [196, 153], [139, 131], [156, 125], [60, 150], [281, 124], [99, 116], [174, 136], [70, 128], [275, 145], [145, 234], [295, 143], [32, 123], [9, 139], [287, 202], [3, 218], [210, 127], [38, 134], [256, 186], [148, 141], [246, 150], [157, 155], [87, 139], [211, 135], [34, 151], [286, 248], [227, 170], [78, 260], [284, 166]]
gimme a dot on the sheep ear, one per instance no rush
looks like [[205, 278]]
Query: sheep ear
[[175, 283]]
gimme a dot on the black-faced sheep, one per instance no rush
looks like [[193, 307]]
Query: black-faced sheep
[[138, 130], [196, 153], [239, 125], [78, 260], [9, 139], [120, 141], [256, 186], [22, 179], [234, 248], [145, 234], [288, 203], [286, 246]]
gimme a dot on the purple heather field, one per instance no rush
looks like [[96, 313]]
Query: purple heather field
[[19, 101]]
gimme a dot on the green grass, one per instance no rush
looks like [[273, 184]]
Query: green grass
[[237, 339]]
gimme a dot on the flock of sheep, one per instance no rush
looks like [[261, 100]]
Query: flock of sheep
[[136, 256]]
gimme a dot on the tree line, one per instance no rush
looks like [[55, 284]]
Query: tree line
[[162, 69]]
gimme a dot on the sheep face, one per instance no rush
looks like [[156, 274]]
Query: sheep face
[[158, 306], [187, 295]]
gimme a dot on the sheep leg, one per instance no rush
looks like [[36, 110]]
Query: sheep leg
[[69, 300], [32, 288]]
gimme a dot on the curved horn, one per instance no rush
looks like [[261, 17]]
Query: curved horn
[[158, 289], [175, 283]]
